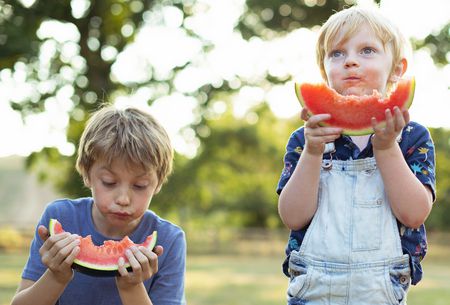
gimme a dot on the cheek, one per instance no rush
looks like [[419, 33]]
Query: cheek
[[332, 73], [100, 198]]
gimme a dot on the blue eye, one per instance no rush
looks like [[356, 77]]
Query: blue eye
[[367, 51], [336, 54]]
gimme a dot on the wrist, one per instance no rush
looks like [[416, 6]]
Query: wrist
[[314, 152], [386, 151], [133, 294], [59, 278]]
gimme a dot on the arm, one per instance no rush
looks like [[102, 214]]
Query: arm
[[130, 285], [57, 253], [410, 200], [167, 287], [298, 200]]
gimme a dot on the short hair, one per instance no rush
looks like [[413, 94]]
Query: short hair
[[350, 21], [129, 134]]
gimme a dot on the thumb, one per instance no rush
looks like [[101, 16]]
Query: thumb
[[158, 250], [43, 232], [304, 114]]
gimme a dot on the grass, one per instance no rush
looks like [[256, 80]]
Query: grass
[[256, 278]]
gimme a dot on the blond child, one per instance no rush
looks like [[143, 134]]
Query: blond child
[[356, 204], [124, 157]]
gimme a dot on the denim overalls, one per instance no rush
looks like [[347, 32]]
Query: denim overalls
[[351, 253]]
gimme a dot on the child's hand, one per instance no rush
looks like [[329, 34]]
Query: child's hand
[[385, 137], [143, 262], [58, 253], [317, 136]]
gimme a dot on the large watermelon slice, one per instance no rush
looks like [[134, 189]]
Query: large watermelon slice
[[353, 113], [101, 260]]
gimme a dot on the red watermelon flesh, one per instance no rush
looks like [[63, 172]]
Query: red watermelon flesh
[[353, 113], [102, 260]]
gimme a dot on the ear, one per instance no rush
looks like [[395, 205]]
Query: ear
[[399, 70], [86, 181], [157, 189]]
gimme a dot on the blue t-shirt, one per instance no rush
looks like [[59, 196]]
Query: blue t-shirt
[[418, 150], [166, 287]]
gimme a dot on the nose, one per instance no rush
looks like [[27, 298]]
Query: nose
[[351, 61], [123, 197]]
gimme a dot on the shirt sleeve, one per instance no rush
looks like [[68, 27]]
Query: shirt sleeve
[[294, 149], [34, 268], [419, 152], [168, 286]]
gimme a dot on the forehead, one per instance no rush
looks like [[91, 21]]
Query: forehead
[[123, 167], [363, 34]]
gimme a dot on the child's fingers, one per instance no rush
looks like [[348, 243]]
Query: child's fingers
[[57, 248], [51, 241], [122, 270], [399, 119], [389, 121], [143, 256], [67, 250], [43, 233], [406, 117], [325, 131], [73, 254], [313, 121], [134, 263], [152, 257]]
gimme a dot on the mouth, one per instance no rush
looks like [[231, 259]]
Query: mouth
[[352, 78], [121, 214]]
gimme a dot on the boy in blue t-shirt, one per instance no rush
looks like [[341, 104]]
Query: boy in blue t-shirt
[[124, 157]]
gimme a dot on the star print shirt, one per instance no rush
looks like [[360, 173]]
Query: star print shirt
[[418, 150]]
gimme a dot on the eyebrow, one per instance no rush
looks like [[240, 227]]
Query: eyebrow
[[114, 173]]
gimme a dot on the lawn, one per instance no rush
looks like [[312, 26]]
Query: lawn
[[256, 279]]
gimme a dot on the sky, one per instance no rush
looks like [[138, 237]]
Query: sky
[[231, 58]]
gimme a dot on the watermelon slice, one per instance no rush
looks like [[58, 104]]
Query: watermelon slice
[[101, 260], [353, 113]]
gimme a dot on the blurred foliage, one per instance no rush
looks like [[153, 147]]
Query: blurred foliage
[[440, 214], [438, 44], [10, 239], [233, 177], [264, 17]]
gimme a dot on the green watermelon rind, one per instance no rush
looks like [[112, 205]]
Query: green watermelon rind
[[96, 269], [363, 131], [51, 226]]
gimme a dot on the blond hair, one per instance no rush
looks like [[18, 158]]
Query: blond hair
[[343, 24], [128, 134]]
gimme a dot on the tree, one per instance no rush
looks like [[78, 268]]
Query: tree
[[440, 214], [437, 44], [76, 69], [233, 178]]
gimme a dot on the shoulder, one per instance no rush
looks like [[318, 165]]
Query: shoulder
[[170, 236], [298, 135], [296, 140], [68, 212], [416, 137], [414, 132], [66, 204], [168, 232]]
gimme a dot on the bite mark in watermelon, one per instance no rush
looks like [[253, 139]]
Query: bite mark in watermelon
[[350, 112], [102, 260]]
